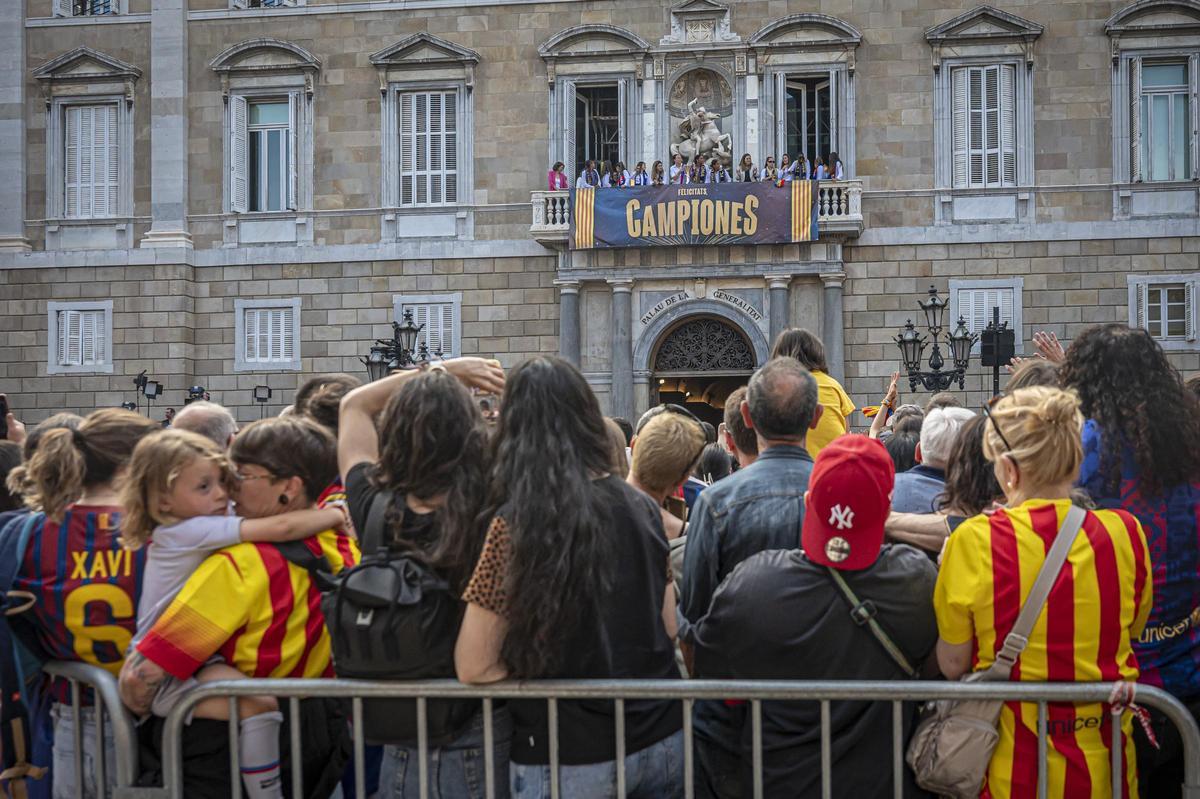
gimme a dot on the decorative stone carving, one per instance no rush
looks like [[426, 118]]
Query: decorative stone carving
[[699, 98], [700, 22], [700, 137], [704, 345]]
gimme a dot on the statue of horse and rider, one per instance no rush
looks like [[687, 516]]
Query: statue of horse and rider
[[701, 138]]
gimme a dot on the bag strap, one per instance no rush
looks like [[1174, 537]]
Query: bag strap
[[1018, 638], [864, 613], [373, 538]]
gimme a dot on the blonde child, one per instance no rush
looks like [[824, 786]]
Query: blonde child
[[176, 498]]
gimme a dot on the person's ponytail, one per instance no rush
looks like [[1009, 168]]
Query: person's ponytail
[[56, 472]]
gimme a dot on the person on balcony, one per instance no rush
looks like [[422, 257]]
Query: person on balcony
[[746, 170], [679, 172], [819, 170], [717, 172], [589, 178], [698, 171], [556, 179], [770, 173], [787, 169], [800, 167], [640, 176], [836, 170], [617, 177], [657, 176]]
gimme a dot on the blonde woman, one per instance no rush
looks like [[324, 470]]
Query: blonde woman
[[1094, 612]]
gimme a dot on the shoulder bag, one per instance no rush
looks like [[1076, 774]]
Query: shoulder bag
[[953, 743]]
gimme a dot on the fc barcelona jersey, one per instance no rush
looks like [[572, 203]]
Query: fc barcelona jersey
[[86, 587]]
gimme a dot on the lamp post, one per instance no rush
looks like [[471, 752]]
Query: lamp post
[[388, 355], [912, 348]]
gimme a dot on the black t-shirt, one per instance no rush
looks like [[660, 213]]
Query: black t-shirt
[[416, 529], [780, 616], [627, 641]]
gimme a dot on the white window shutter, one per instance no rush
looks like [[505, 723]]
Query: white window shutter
[[780, 118], [288, 344], [73, 338], [622, 129], [1140, 300], [275, 320], [450, 141], [87, 166], [1135, 120], [1189, 311], [437, 148], [567, 110], [71, 158], [63, 331], [293, 152], [960, 122], [1008, 127], [62, 8], [446, 345], [408, 144], [238, 153], [991, 112], [251, 335]]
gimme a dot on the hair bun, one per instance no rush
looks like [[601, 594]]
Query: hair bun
[[1059, 407]]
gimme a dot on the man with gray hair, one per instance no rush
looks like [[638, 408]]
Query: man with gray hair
[[919, 490], [757, 508], [209, 419]]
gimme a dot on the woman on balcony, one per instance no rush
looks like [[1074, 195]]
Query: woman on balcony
[[820, 171], [640, 176], [787, 169], [836, 170], [589, 178], [657, 176], [746, 170], [717, 172], [679, 172], [556, 179], [770, 173]]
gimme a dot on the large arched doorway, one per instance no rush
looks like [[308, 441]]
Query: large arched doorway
[[698, 362]]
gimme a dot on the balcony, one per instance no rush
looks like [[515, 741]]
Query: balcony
[[839, 212]]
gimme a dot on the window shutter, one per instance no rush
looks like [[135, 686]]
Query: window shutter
[[991, 111], [1135, 121], [73, 334], [1190, 310], [238, 110], [87, 144], [62, 8], [451, 143], [447, 335], [71, 159], [959, 123], [407, 148], [1140, 300], [567, 110], [287, 347], [251, 333], [975, 131], [91, 338], [833, 117], [1008, 127], [437, 148], [293, 152], [780, 118], [975, 305], [63, 333], [622, 128], [275, 320]]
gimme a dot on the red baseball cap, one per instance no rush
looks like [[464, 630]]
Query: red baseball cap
[[849, 498]]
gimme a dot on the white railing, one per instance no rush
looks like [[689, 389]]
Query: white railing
[[839, 210]]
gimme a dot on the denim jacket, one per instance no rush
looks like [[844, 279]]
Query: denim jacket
[[753, 510]]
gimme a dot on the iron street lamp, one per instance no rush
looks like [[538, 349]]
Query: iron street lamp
[[398, 352], [912, 348]]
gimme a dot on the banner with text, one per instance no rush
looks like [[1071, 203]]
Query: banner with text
[[706, 214]]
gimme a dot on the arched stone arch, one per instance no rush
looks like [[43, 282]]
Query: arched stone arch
[[601, 39], [646, 344], [800, 28], [264, 55], [1153, 15]]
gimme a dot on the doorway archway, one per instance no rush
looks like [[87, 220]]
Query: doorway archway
[[698, 362]]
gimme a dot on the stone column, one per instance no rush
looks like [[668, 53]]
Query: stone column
[[568, 320], [168, 126], [833, 331], [780, 307], [622, 348], [12, 125]]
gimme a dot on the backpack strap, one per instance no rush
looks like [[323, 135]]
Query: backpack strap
[[1018, 638], [373, 538], [864, 613]]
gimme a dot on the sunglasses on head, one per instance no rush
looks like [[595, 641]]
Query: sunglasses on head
[[995, 426]]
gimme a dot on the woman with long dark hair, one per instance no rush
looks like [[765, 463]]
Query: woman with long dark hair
[[1142, 454], [430, 452], [572, 583], [805, 347]]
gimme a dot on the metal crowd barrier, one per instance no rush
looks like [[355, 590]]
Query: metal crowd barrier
[[120, 723], [685, 691]]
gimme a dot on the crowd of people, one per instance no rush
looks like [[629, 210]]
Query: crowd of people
[[779, 545], [614, 175]]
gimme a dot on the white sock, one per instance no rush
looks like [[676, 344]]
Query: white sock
[[258, 755]]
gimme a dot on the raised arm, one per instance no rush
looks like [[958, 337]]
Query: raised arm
[[889, 401], [293, 525]]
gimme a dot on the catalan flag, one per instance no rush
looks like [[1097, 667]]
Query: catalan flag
[[1097, 608], [804, 209], [583, 232]]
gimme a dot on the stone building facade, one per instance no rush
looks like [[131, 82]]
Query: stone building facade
[[234, 193]]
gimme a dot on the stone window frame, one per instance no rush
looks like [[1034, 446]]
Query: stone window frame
[[53, 308], [289, 74], [453, 299], [424, 62], [780, 50], [64, 9], [113, 83], [1134, 39], [240, 307], [620, 58], [983, 36], [1014, 284], [1137, 285]]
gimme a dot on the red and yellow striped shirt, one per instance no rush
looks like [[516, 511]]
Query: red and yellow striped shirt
[[258, 610], [1097, 607]]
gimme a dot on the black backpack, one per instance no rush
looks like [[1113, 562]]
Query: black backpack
[[392, 618]]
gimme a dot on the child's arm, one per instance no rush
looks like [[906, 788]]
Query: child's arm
[[293, 525]]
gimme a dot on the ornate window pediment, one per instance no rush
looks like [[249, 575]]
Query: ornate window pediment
[[593, 46], [700, 22], [424, 52], [808, 30], [255, 58], [1155, 18], [83, 65], [983, 31]]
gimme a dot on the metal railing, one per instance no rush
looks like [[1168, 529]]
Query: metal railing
[[108, 706], [684, 691]]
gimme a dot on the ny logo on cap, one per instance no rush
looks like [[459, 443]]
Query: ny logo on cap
[[842, 517]]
